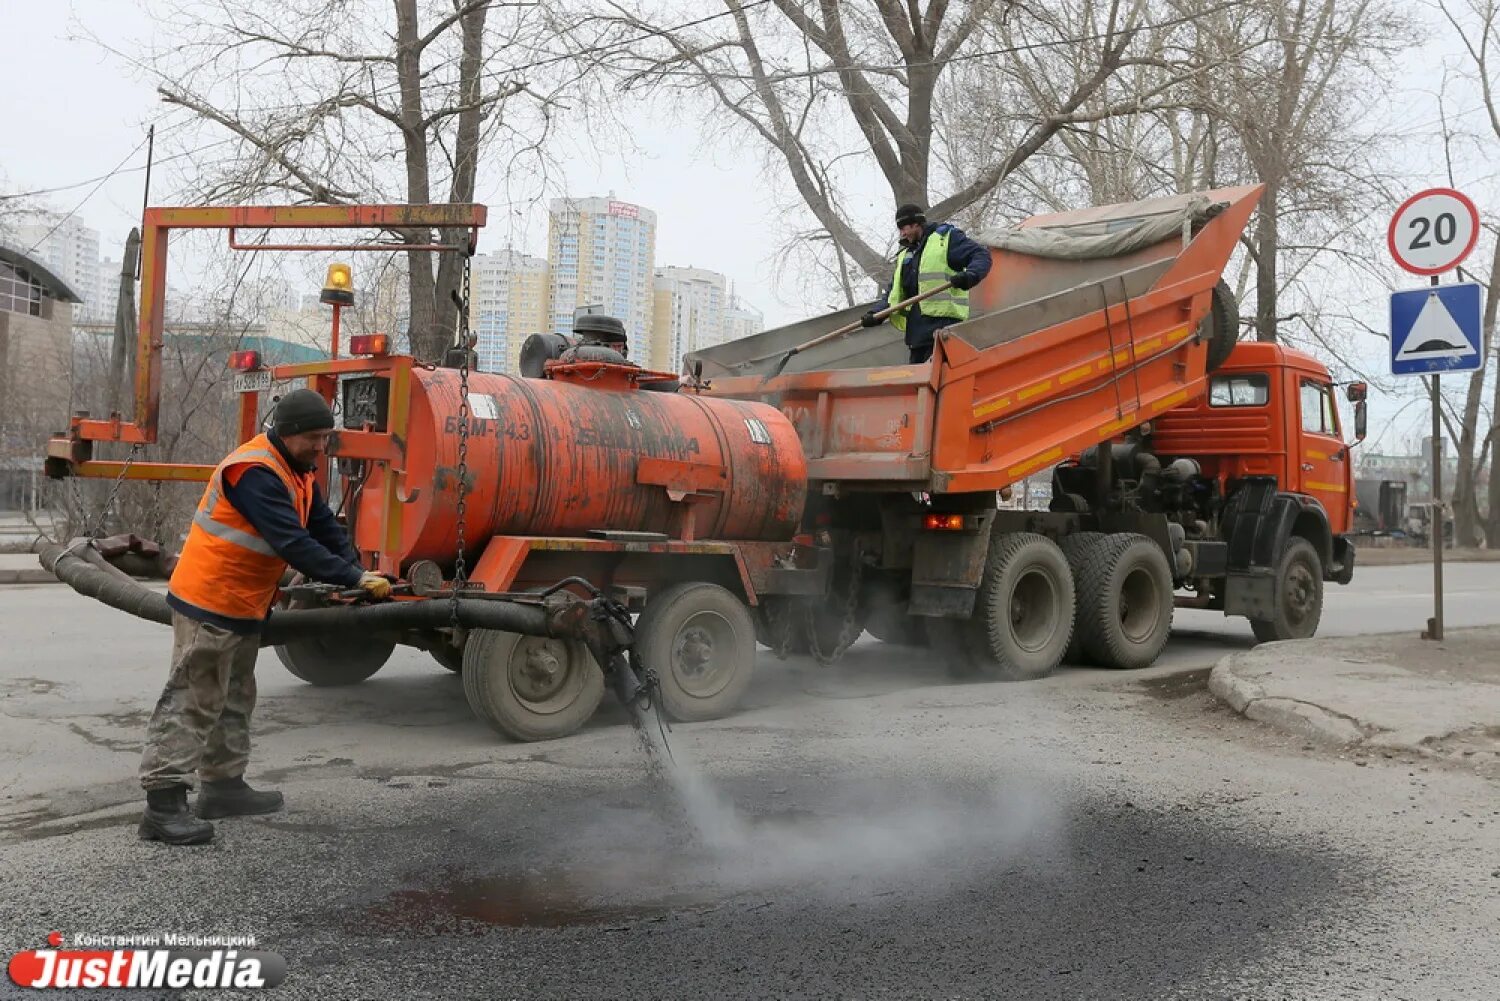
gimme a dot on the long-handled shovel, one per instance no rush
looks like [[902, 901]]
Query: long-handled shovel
[[840, 332]]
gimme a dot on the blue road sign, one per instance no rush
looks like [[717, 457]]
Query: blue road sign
[[1436, 330]]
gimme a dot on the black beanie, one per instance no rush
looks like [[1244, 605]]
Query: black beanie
[[909, 213], [301, 410]]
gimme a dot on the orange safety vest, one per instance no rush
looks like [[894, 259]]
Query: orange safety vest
[[226, 567]]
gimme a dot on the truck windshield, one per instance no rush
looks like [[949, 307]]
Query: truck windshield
[[1250, 390]]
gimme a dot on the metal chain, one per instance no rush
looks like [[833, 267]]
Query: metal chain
[[849, 628], [460, 567], [114, 492]]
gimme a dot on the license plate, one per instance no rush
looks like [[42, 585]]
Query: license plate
[[247, 382]]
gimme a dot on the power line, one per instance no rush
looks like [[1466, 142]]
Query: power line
[[117, 173], [84, 200]]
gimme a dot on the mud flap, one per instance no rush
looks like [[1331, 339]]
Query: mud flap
[[947, 566]]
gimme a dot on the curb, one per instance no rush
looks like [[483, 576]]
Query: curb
[[28, 576], [1305, 719]]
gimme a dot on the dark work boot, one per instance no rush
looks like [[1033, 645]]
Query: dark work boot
[[167, 819], [233, 798]]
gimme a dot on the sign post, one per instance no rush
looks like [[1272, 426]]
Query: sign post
[[1435, 330]]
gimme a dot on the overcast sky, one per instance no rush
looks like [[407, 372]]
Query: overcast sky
[[74, 112]]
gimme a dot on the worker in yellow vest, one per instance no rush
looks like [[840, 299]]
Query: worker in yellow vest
[[262, 510], [931, 254]]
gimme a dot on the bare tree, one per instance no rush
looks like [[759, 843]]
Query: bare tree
[[1285, 100], [1476, 25], [357, 101], [849, 97]]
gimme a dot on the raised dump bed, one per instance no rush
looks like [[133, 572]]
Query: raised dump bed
[[1089, 324]]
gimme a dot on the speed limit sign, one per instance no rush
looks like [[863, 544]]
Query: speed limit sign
[[1433, 231]]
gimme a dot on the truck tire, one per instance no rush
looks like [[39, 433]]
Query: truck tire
[[699, 638], [780, 626], [1124, 601], [530, 687], [328, 663], [1023, 613], [1221, 327], [1076, 548], [1299, 595]]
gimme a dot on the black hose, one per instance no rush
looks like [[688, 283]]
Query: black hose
[[285, 626], [115, 591]]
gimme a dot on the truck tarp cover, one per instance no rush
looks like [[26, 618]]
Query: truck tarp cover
[[1102, 238]]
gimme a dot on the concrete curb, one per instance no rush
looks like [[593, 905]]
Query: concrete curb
[[37, 576], [1228, 683]]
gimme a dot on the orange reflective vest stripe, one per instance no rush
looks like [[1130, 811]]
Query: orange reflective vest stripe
[[226, 567]]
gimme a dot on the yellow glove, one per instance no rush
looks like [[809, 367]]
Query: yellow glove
[[377, 585]]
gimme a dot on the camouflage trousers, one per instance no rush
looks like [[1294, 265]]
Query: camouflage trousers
[[202, 720]]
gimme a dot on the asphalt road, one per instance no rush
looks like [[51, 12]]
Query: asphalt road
[[865, 831]]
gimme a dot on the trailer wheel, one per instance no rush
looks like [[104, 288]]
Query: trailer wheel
[[779, 626], [1223, 326], [1299, 595], [1077, 548], [530, 687], [1023, 613], [331, 663], [1124, 601], [699, 638]]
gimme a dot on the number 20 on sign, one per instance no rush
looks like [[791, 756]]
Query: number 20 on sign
[[1433, 231]]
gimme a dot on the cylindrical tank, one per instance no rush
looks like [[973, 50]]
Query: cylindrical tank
[[559, 458]]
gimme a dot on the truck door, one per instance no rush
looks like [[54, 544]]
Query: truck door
[[1324, 464]]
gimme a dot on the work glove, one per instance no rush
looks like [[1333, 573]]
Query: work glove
[[870, 320], [963, 280], [377, 585]]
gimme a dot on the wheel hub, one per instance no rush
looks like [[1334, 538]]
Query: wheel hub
[[1299, 593], [537, 673], [699, 661], [1033, 610]]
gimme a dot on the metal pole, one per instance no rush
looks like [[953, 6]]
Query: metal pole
[[1435, 624]]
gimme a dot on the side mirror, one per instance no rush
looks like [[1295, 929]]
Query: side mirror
[[1357, 392], [1361, 420]]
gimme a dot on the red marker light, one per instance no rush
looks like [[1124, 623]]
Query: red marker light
[[369, 344], [943, 522]]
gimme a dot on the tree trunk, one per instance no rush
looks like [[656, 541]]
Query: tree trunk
[[465, 167], [1487, 337], [1466, 516], [427, 336], [1265, 265]]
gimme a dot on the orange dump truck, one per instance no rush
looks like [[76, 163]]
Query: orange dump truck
[[1189, 470], [849, 491]]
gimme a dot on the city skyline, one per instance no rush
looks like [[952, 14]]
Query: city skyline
[[601, 258]]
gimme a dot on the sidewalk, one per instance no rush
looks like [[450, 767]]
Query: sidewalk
[[23, 568], [1393, 692], [1396, 556]]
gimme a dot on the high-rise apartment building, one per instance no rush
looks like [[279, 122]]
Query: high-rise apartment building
[[508, 298], [71, 250], [601, 254], [689, 308], [741, 319]]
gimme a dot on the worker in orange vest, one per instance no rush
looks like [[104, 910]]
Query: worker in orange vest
[[262, 510]]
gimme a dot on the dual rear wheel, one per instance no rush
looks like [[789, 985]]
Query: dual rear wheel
[[1104, 599]]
